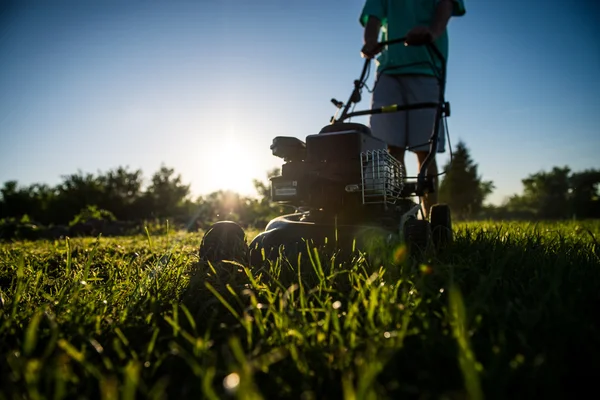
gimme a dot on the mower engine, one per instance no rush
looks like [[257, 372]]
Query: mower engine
[[337, 171]]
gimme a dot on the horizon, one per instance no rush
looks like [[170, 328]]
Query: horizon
[[96, 86]]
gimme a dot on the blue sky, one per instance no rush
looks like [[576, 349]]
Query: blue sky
[[204, 86]]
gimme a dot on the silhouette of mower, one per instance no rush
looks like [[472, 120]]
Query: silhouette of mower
[[346, 189]]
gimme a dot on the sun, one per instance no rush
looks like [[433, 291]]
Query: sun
[[234, 165], [230, 160]]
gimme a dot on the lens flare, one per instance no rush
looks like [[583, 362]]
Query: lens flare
[[400, 254]]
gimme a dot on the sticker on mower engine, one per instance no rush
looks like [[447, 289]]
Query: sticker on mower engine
[[288, 191]]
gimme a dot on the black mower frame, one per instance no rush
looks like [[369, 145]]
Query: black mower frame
[[222, 239], [442, 107]]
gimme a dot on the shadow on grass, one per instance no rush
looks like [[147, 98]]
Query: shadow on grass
[[531, 317], [379, 324]]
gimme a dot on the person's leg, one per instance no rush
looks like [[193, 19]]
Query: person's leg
[[389, 127], [398, 154], [421, 89]]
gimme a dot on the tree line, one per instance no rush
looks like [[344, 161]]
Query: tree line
[[121, 194], [547, 195]]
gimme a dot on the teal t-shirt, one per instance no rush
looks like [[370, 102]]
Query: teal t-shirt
[[397, 18]]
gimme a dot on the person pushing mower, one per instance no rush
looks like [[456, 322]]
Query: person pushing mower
[[405, 74], [346, 183]]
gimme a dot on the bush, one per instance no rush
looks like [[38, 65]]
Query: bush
[[92, 213]]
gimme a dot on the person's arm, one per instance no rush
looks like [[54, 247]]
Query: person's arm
[[372, 30], [372, 17], [371, 37], [443, 12]]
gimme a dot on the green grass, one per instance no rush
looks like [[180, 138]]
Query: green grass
[[509, 310]]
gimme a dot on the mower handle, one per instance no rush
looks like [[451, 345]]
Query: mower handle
[[355, 96], [440, 105]]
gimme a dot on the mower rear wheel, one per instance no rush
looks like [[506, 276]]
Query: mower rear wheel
[[441, 225], [417, 235], [225, 240]]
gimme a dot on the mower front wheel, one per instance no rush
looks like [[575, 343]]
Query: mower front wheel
[[441, 225], [224, 240]]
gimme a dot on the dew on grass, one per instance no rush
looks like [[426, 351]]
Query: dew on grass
[[231, 381], [336, 304], [97, 346], [400, 254]]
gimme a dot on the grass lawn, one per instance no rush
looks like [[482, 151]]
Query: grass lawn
[[510, 310]]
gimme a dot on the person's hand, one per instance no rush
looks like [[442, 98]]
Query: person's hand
[[420, 35], [371, 49]]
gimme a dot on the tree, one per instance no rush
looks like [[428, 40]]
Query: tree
[[548, 193], [122, 191], [76, 192], [461, 187], [584, 194], [557, 194], [166, 195], [16, 201]]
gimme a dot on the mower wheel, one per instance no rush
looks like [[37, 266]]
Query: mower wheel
[[441, 225], [417, 235], [225, 240]]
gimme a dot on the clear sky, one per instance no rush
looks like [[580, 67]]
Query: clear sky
[[203, 86]]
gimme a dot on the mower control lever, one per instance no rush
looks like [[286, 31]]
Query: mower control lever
[[337, 103]]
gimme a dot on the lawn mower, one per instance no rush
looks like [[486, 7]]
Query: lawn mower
[[346, 189]]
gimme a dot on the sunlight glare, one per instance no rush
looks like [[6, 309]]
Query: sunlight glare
[[234, 163]]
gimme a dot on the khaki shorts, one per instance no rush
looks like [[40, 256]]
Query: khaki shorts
[[406, 129]]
